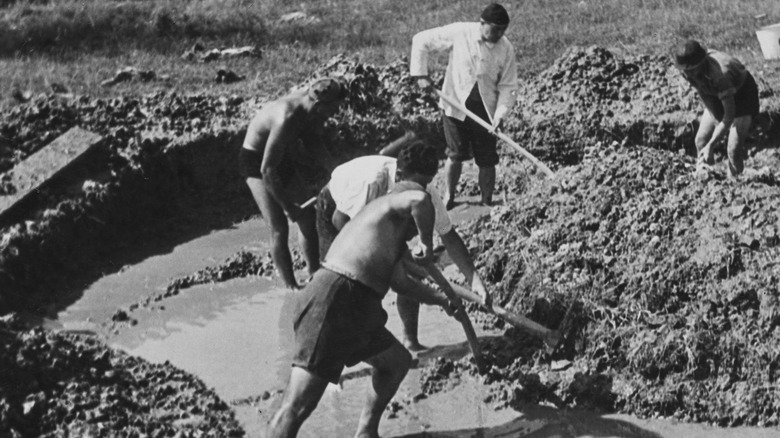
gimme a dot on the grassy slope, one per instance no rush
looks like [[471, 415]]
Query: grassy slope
[[82, 43]]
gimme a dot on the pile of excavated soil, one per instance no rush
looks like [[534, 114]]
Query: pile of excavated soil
[[677, 272]]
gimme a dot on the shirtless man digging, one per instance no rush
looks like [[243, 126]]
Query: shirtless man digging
[[269, 159], [357, 182], [340, 320]]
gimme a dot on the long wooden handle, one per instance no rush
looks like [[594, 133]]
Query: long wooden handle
[[500, 135], [471, 335], [309, 202], [514, 319]]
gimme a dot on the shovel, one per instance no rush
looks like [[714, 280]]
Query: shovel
[[500, 135], [552, 338], [471, 335]]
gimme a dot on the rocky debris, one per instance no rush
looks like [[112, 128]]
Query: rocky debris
[[21, 96], [58, 88], [29, 127], [439, 375], [225, 76], [198, 52], [57, 384], [298, 18], [127, 74], [240, 265]]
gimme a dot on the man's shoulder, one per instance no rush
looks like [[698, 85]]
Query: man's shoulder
[[506, 45], [456, 28], [362, 168], [280, 110]]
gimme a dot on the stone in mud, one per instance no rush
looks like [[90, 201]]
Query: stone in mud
[[53, 164]]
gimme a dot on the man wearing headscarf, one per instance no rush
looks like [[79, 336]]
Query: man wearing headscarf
[[482, 75], [278, 138], [730, 96]]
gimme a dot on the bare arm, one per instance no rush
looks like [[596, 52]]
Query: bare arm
[[506, 87], [279, 136], [722, 128], [424, 215], [729, 109], [405, 283]]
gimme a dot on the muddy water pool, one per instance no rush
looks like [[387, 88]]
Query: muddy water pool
[[236, 336]]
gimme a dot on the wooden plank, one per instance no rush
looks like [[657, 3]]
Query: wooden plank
[[47, 165]]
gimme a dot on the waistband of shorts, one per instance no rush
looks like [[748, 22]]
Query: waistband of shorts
[[343, 272]]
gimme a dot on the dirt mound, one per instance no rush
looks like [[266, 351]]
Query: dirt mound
[[676, 271], [591, 94]]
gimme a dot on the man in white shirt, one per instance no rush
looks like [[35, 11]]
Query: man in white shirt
[[482, 75], [361, 180]]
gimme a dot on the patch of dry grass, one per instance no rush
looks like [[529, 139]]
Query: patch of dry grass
[[80, 43]]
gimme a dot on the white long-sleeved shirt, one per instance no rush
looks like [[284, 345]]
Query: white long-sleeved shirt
[[359, 181], [471, 60]]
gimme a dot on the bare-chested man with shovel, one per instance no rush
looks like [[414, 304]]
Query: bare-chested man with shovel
[[340, 320]]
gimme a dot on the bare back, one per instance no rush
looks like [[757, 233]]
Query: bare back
[[281, 117], [370, 245]]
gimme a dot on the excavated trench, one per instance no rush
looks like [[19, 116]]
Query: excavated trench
[[617, 131]]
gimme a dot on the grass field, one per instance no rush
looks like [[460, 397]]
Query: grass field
[[79, 44]]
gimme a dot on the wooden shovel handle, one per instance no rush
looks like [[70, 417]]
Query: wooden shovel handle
[[504, 137], [471, 335], [309, 202], [514, 319]]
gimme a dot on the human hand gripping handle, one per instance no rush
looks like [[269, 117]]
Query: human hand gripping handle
[[460, 312], [425, 83], [495, 131]]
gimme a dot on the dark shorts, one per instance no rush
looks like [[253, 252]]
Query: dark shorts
[[250, 163], [467, 139], [745, 100], [326, 231], [339, 323]]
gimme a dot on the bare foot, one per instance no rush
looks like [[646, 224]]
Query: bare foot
[[414, 346]]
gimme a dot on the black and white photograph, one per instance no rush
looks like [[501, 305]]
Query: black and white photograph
[[389, 218]]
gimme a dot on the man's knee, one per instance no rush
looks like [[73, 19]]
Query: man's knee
[[404, 358], [298, 407]]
